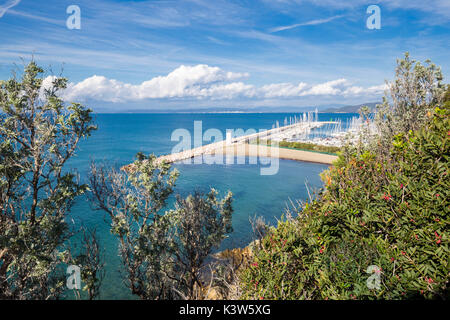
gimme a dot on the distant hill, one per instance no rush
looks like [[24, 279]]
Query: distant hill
[[265, 109], [328, 108], [352, 109]]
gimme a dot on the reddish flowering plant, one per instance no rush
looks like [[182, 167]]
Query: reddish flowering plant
[[438, 237]]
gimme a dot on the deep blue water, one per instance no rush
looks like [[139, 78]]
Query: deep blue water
[[120, 136]]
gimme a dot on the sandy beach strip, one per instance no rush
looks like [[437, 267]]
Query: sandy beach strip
[[247, 150], [242, 146], [253, 150]]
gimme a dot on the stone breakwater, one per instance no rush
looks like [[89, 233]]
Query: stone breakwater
[[248, 150], [240, 146]]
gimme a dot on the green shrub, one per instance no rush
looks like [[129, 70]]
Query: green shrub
[[390, 212], [309, 146], [302, 146]]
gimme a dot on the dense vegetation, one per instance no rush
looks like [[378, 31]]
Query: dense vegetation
[[380, 227], [306, 146], [38, 135], [309, 146], [163, 252]]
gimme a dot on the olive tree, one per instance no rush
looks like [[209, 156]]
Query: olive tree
[[39, 133]]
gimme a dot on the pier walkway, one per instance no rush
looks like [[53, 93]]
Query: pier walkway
[[241, 146]]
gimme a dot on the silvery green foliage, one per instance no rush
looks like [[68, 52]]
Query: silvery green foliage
[[133, 200], [91, 258], [199, 224], [38, 134], [162, 252], [416, 89]]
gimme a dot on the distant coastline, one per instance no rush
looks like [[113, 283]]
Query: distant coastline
[[210, 112], [213, 112], [352, 109], [332, 108]]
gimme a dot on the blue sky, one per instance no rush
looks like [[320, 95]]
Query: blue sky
[[200, 53]]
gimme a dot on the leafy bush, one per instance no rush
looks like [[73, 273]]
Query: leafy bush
[[303, 146], [400, 226], [39, 133], [163, 252], [379, 229]]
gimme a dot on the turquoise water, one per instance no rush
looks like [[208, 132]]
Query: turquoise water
[[121, 136]]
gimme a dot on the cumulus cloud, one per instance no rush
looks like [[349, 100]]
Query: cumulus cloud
[[185, 81], [278, 90], [328, 88], [356, 91], [224, 91], [204, 82]]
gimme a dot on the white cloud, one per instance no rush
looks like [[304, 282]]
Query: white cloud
[[35, 17], [9, 4], [204, 82], [355, 91], [328, 88], [308, 23], [436, 7], [225, 91], [46, 84], [185, 81], [278, 90]]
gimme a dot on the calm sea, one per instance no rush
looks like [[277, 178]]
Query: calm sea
[[120, 136]]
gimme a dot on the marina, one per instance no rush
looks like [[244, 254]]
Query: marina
[[248, 145]]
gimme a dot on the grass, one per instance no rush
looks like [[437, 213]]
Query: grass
[[304, 146]]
